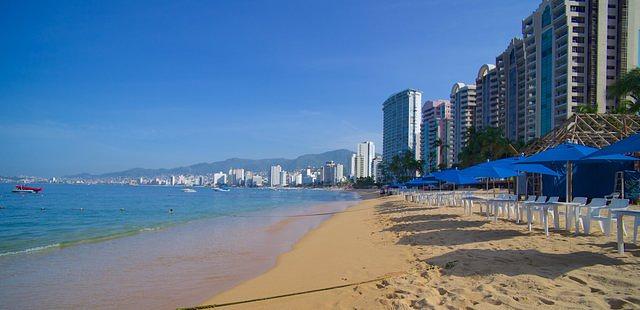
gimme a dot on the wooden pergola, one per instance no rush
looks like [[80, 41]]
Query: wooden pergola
[[595, 130]]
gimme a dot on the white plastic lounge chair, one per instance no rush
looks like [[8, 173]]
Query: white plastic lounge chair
[[571, 215], [604, 221], [544, 208], [614, 195]]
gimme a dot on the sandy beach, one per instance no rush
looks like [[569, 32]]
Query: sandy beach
[[413, 256]]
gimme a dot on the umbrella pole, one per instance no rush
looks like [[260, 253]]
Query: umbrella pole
[[494, 188], [569, 181]]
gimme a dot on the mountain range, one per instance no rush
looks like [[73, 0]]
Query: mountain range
[[257, 165]]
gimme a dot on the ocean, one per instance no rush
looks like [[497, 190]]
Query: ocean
[[131, 247]]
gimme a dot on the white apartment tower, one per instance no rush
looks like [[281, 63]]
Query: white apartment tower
[[437, 135], [363, 159], [401, 124], [489, 110], [574, 50], [463, 104], [274, 176], [376, 168]]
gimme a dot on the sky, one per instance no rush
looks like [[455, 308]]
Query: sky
[[102, 86]]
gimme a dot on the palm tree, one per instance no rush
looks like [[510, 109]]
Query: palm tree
[[485, 144], [627, 89]]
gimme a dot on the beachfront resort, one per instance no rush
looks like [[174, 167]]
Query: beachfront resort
[[473, 165], [520, 190]]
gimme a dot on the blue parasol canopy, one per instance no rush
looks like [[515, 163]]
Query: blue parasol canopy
[[486, 170], [629, 145], [561, 153], [454, 176], [572, 152], [535, 168], [507, 168]]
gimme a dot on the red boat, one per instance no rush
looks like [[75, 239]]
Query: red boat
[[26, 189]]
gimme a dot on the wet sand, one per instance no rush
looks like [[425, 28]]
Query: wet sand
[[439, 258], [164, 269]]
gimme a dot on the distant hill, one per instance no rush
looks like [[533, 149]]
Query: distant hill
[[256, 165]]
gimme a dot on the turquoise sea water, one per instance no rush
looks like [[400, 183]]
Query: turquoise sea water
[[64, 215], [144, 257]]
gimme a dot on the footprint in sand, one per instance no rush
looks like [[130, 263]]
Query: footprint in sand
[[547, 301], [616, 303], [578, 280]]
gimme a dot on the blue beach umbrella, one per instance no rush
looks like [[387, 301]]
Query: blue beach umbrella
[[490, 171], [630, 144], [454, 176], [570, 153], [535, 168]]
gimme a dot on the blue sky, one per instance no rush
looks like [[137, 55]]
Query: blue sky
[[100, 86]]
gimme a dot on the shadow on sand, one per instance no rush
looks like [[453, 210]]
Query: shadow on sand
[[450, 237], [424, 217], [396, 207], [434, 225], [469, 262]]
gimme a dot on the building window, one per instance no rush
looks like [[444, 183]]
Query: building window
[[577, 8], [577, 19]]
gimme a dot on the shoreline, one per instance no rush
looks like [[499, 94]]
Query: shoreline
[[438, 257], [335, 263], [163, 269]]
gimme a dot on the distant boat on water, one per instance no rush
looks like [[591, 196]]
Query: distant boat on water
[[26, 189], [188, 190], [221, 189]]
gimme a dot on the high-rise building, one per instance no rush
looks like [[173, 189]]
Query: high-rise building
[[283, 178], [219, 178], [329, 173], [376, 168], [274, 175], [437, 134], [256, 181], [463, 104], [339, 173], [363, 160], [575, 50], [352, 172], [488, 107], [517, 121], [401, 124], [248, 178], [172, 180]]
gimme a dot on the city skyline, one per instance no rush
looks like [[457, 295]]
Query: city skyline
[[103, 91]]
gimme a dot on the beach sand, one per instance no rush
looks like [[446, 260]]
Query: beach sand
[[439, 258]]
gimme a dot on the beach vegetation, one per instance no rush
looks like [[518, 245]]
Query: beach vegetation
[[403, 167], [363, 183], [486, 144], [627, 90]]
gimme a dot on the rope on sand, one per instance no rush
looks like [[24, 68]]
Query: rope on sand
[[211, 306]]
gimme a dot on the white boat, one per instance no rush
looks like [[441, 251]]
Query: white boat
[[220, 189], [188, 190]]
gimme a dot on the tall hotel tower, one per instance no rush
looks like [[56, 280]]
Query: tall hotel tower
[[401, 124], [574, 50], [437, 134], [517, 119], [463, 105]]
